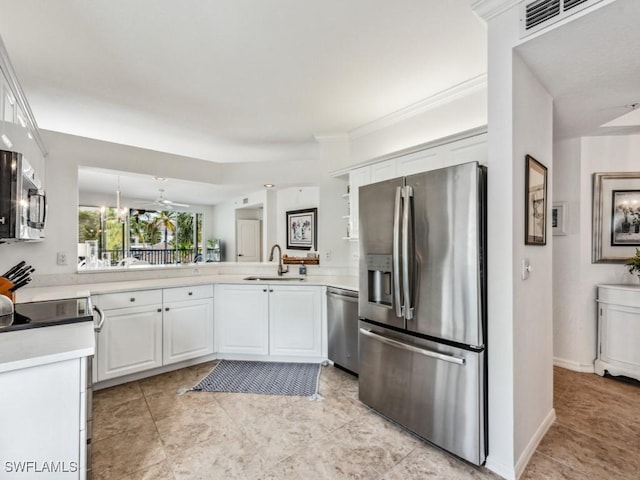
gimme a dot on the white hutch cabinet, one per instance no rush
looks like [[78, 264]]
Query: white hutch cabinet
[[618, 330]]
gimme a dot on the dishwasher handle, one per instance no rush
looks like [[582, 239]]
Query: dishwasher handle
[[338, 294]]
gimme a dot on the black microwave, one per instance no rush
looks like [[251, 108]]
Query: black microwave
[[23, 203]]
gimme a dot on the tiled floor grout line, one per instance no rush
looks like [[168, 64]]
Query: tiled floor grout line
[[167, 457]]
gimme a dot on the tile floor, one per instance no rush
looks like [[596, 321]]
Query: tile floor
[[143, 430]]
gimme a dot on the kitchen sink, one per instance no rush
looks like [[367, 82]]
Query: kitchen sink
[[274, 279]]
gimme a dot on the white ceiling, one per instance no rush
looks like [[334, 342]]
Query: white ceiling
[[591, 67], [234, 80], [138, 190], [256, 80]]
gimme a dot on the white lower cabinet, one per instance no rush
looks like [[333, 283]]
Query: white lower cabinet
[[43, 417], [187, 330], [130, 341], [242, 319], [151, 328], [295, 315], [273, 320]]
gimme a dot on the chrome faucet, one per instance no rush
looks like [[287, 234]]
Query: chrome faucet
[[280, 269]]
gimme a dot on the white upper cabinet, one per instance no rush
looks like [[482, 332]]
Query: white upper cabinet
[[466, 150], [418, 162], [472, 149], [384, 171]]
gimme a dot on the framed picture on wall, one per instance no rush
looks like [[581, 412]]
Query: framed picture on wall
[[616, 216], [559, 212], [535, 213], [302, 229]]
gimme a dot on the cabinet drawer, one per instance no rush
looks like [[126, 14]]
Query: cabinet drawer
[[187, 293], [112, 301]]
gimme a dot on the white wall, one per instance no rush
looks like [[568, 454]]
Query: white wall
[[67, 152], [533, 312], [296, 198], [519, 312], [462, 112], [575, 277]]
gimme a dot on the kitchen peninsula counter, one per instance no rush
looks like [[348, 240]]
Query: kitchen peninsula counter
[[54, 292]]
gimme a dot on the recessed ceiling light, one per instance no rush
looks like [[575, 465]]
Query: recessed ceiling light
[[160, 179], [269, 185]]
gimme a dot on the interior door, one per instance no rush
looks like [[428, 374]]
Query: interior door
[[248, 235]]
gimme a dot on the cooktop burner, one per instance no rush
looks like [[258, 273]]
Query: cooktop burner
[[46, 314]]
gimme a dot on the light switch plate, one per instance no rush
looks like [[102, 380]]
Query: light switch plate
[[526, 268]]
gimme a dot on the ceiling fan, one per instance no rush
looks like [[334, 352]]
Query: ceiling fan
[[166, 203]]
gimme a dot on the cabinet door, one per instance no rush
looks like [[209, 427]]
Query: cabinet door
[[472, 149], [242, 319], [40, 414], [357, 178], [419, 162], [295, 321], [130, 341], [619, 334], [187, 330], [384, 171]]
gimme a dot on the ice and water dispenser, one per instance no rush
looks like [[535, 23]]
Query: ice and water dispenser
[[380, 282]]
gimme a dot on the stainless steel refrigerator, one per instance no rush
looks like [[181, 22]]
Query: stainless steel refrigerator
[[422, 305]]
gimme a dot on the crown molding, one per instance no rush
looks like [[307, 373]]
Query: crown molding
[[487, 9], [332, 138], [457, 91], [12, 79]]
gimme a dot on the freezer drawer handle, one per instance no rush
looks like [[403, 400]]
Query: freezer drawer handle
[[411, 348]]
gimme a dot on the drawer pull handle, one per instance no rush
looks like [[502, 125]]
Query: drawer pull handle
[[132, 299], [166, 309], [159, 310], [190, 293], [264, 289]]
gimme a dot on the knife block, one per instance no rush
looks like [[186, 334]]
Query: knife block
[[5, 286]]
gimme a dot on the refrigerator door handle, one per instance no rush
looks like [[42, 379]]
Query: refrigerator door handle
[[411, 348], [397, 294], [407, 256]]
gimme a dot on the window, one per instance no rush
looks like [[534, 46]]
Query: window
[[145, 236]]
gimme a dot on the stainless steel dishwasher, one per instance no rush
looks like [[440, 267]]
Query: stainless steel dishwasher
[[342, 320]]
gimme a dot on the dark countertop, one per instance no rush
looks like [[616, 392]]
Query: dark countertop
[[47, 314]]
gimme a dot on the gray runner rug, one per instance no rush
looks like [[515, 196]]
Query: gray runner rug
[[268, 378]]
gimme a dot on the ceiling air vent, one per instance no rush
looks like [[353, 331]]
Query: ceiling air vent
[[569, 4], [541, 11], [539, 14]]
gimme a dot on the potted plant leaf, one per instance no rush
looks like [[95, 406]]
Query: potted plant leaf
[[633, 264]]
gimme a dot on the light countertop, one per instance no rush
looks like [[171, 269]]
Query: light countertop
[[38, 346], [55, 292], [28, 348]]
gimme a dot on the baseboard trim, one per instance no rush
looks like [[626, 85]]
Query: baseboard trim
[[528, 452], [574, 366], [503, 471]]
